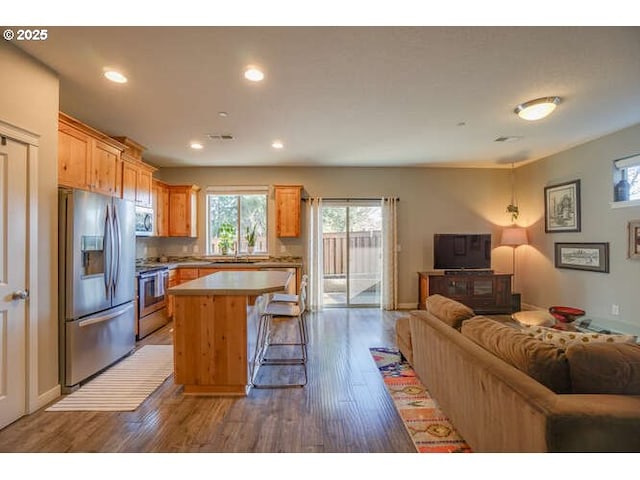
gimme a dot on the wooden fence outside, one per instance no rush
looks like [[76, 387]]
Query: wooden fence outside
[[364, 253]]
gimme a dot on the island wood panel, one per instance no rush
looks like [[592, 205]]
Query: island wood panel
[[211, 327]]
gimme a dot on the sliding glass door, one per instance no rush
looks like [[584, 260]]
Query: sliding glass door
[[352, 232]]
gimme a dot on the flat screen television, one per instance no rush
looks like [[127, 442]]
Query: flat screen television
[[454, 251]]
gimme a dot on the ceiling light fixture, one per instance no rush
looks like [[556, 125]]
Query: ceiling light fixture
[[253, 74], [196, 146], [115, 76], [538, 108], [277, 144]]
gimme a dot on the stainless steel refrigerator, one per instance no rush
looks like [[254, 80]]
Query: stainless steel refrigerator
[[96, 283]]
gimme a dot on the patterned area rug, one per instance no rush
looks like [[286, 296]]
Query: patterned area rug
[[124, 386], [428, 427]]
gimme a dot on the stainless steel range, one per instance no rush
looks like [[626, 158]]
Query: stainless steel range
[[152, 299]]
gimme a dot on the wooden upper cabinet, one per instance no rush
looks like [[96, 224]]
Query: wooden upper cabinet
[[129, 179], [287, 199], [74, 157], [160, 202], [87, 159], [183, 210], [106, 169], [143, 185], [136, 175]]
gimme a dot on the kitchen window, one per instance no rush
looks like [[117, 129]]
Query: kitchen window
[[626, 179], [237, 220]]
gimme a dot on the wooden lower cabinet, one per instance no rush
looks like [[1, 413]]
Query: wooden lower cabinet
[[172, 281], [488, 293]]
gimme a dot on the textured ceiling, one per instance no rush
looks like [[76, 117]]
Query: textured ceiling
[[348, 96]]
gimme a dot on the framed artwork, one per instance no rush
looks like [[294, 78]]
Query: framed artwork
[[562, 207], [593, 257], [634, 239]]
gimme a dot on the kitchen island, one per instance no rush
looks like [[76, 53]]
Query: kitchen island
[[215, 329]]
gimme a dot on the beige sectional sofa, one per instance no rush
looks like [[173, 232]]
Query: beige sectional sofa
[[521, 397]]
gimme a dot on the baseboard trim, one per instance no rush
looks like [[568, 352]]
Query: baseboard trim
[[407, 306], [45, 398]]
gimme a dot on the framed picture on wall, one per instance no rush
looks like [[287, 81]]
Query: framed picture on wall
[[562, 207], [593, 257], [634, 239]]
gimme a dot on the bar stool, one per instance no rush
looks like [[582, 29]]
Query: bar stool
[[287, 310], [289, 297]]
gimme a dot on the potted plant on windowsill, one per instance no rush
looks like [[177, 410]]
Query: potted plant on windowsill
[[250, 237], [226, 234]]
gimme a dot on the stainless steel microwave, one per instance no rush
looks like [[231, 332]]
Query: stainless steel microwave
[[144, 222]]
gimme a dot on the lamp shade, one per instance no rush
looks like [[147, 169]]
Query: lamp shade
[[514, 236]]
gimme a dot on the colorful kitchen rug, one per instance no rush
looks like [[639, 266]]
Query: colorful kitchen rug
[[124, 386], [428, 427]]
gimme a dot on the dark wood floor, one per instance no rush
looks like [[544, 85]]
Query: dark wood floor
[[343, 408]]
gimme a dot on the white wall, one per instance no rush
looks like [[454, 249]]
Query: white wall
[[29, 99], [544, 285], [432, 200]]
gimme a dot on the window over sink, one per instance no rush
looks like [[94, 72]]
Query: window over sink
[[237, 220]]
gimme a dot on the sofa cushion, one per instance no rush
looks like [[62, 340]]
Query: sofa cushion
[[563, 338], [542, 361], [451, 312], [612, 368]]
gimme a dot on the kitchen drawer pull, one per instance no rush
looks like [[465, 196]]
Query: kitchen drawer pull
[[104, 318]]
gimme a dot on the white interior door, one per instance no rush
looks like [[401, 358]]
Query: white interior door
[[13, 268]]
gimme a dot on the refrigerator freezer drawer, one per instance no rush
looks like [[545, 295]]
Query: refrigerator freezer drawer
[[95, 342]]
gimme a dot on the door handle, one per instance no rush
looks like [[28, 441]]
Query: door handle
[[20, 295], [104, 318]]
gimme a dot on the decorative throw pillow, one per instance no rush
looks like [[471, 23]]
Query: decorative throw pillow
[[534, 317], [563, 338], [542, 361], [612, 368], [449, 311]]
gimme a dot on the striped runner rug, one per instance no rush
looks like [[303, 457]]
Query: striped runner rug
[[123, 387]]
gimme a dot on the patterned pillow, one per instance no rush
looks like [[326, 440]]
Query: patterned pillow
[[562, 338]]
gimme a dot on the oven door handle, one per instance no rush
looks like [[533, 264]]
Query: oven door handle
[[104, 318]]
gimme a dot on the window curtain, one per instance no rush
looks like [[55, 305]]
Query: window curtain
[[314, 253], [389, 254]]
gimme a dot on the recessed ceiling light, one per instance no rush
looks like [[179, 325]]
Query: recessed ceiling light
[[277, 144], [538, 108], [253, 74], [223, 114], [115, 76], [196, 145]]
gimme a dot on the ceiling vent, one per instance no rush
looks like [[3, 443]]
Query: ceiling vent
[[507, 139], [218, 136]]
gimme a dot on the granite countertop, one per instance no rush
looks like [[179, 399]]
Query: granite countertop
[[196, 262], [234, 283]]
